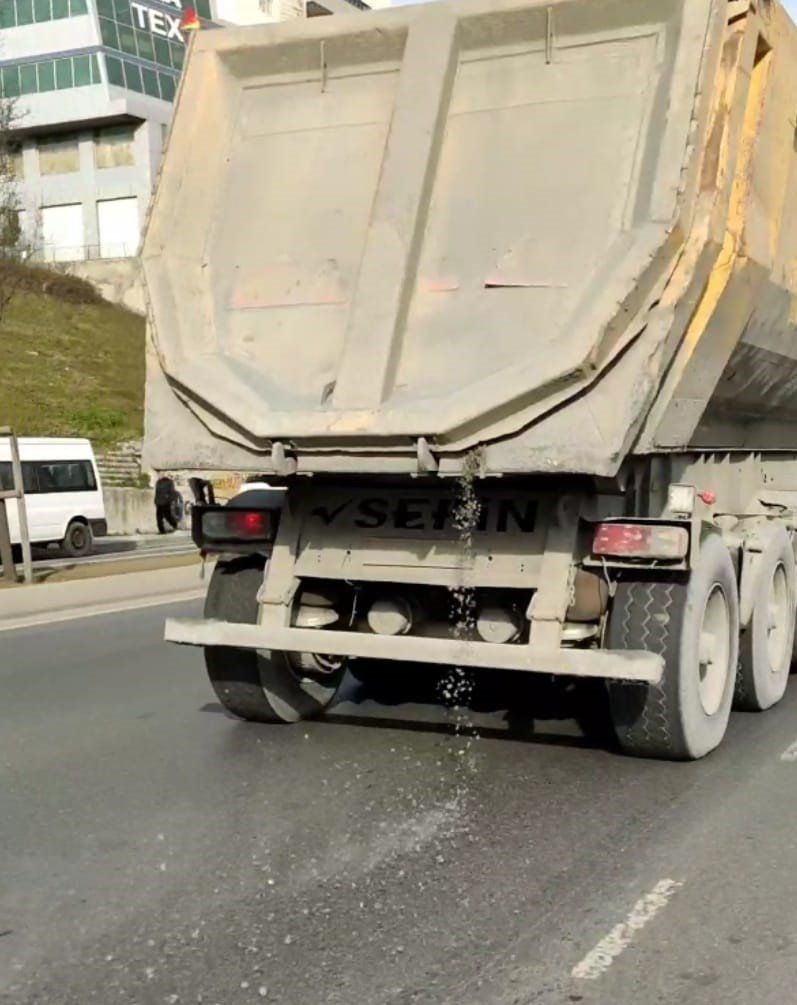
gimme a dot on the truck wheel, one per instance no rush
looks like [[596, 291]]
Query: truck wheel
[[694, 625], [765, 650], [259, 686], [78, 541]]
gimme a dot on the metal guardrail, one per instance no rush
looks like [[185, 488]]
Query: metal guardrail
[[55, 253]]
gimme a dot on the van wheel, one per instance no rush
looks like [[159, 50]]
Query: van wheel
[[259, 685], [766, 647], [78, 541], [694, 625]]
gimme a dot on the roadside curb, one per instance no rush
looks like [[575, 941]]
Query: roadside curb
[[78, 571], [53, 602]]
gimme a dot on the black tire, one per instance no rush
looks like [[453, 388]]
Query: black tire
[[258, 686], [685, 716], [176, 510], [765, 651], [78, 540]]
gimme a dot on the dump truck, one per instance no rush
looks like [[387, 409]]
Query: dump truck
[[497, 298]]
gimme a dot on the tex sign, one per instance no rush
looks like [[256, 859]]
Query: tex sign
[[157, 21]]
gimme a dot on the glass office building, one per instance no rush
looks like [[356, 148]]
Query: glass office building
[[95, 82]]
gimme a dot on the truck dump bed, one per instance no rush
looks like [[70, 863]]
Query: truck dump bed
[[551, 230]]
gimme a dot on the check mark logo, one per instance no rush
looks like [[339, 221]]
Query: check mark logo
[[328, 516]]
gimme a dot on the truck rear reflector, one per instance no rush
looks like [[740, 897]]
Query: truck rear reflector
[[640, 540]]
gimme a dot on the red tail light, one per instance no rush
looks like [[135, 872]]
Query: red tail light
[[228, 525], [250, 523], [640, 540]]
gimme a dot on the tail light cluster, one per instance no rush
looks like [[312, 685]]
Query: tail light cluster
[[227, 528], [640, 540]]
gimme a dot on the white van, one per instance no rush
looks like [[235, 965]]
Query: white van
[[63, 493]]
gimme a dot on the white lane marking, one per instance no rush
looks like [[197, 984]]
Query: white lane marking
[[599, 959], [790, 753], [57, 617]]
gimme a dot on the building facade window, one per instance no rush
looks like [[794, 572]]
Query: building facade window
[[120, 31], [119, 227], [16, 13], [114, 148], [146, 35], [16, 162], [59, 156], [62, 235], [49, 75], [147, 30], [146, 80], [150, 45]]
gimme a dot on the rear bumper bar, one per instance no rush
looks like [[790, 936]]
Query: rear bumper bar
[[612, 665]]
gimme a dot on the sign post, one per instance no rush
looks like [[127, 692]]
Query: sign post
[[16, 492], [6, 551]]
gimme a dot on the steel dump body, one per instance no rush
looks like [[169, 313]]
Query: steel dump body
[[496, 224]]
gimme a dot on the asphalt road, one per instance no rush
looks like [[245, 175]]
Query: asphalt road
[[154, 851]]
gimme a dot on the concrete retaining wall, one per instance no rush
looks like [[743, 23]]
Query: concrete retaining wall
[[130, 511], [118, 280]]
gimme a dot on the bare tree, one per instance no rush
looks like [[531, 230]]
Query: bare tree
[[13, 245]]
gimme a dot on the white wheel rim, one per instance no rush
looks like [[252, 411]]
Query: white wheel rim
[[778, 620], [714, 652]]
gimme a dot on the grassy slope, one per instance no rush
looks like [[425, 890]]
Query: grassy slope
[[71, 370]]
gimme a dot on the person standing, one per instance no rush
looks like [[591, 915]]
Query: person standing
[[166, 498]]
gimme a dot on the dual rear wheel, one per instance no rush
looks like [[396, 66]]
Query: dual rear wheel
[[258, 685], [694, 625]]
